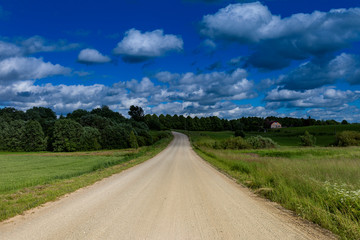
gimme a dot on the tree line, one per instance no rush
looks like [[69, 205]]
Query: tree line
[[213, 123], [39, 129]]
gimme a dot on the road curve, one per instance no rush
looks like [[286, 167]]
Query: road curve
[[175, 195]]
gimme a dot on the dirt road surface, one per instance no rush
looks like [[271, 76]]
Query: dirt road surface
[[175, 195]]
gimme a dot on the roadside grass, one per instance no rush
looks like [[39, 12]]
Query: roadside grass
[[29, 180], [319, 184]]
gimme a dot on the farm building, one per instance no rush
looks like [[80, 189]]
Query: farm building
[[275, 125]]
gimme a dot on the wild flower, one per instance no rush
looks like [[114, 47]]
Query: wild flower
[[343, 198]]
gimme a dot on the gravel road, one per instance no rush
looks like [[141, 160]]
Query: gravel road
[[175, 195]]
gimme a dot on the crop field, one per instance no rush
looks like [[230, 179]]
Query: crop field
[[320, 184], [30, 179]]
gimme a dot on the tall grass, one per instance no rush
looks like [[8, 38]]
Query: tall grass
[[319, 184]]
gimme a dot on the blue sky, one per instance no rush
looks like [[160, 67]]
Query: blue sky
[[192, 57]]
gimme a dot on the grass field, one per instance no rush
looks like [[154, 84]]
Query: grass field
[[28, 180], [325, 135], [20, 171], [321, 184]]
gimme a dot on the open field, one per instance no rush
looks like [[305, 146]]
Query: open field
[[320, 184], [30, 179], [325, 135]]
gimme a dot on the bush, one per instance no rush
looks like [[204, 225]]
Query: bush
[[261, 142], [160, 135], [132, 140], [307, 139], [255, 142], [139, 132], [141, 141], [348, 138], [232, 143], [239, 133]]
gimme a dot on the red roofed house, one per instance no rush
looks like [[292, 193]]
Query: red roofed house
[[275, 125]]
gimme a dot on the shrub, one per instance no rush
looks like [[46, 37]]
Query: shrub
[[239, 133], [160, 135], [141, 141], [307, 139], [255, 142], [232, 143], [261, 142], [348, 138], [132, 140], [139, 132]]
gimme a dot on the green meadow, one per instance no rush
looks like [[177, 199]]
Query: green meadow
[[28, 180], [321, 184], [325, 134], [26, 170]]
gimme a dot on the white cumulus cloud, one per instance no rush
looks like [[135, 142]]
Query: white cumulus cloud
[[22, 68], [92, 56], [296, 37], [324, 97], [9, 50], [207, 87], [138, 47]]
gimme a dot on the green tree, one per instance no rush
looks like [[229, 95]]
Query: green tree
[[307, 139], [14, 135], [10, 114], [153, 122], [90, 139], [132, 140], [116, 136], [67, 136], [45, 116], [33, 137], [95, 121], [106, 112], [136, 113], [77, 114]]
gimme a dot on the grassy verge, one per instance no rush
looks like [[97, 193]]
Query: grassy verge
[[29, 180], [320, 184]]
